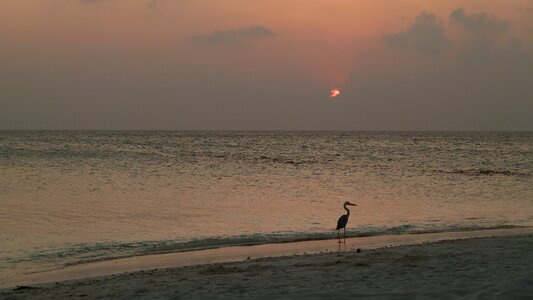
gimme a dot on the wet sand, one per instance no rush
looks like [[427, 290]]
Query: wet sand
[[490, 263]]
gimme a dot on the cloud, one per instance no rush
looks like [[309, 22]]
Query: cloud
[[149, 3], [478, 22], [92, 1], [483, 83], [526, 10], [152, 3], [426, 35], [232, 36]]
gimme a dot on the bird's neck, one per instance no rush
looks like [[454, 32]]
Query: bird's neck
[[347, 210]]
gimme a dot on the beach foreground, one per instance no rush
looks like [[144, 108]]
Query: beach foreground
[[488, 267]]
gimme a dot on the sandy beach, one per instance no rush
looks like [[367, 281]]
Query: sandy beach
[[493, 266]]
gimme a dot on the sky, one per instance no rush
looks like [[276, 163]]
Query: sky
[[266, 65]]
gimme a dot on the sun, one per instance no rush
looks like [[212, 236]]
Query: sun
[[334, 93]]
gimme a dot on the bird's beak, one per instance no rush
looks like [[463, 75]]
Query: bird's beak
[[352, 204]]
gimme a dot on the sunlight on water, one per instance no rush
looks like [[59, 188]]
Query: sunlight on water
[[70, 196]]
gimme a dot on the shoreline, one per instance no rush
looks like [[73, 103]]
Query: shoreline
[[235, 254], [490, 267]]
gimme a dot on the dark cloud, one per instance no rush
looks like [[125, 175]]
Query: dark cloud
[[490, 43], [232, 36], [484, 83], [478, 22], [152, 3], [526, 10], [426, 35]]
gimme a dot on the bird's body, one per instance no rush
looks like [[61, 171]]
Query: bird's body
[[343, 220], [341, 223]]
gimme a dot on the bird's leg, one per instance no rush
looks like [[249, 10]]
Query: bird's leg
[[339, 235], [344, 235]]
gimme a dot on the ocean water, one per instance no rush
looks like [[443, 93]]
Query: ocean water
[[69, 197]]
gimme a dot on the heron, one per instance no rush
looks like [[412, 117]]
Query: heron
[[343, 220]]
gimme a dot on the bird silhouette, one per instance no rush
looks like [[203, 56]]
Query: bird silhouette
[[343, 220]]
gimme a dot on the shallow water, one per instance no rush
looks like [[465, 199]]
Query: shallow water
[[73, 196]]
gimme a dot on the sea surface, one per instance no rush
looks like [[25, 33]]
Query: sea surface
[[68, 197]]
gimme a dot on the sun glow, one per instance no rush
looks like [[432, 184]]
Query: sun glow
[[334, 93]]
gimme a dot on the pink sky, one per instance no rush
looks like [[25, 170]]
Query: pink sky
[[183, 64]]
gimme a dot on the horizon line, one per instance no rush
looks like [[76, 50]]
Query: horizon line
[[279, 130]]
